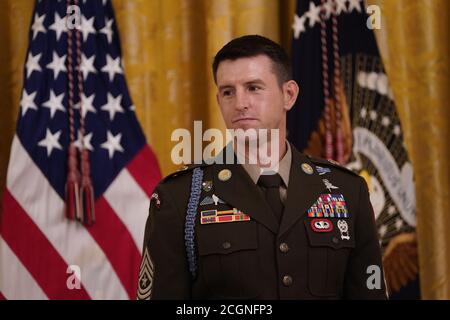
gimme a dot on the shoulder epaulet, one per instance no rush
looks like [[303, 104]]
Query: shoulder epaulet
[[330, 163], [183, 170]]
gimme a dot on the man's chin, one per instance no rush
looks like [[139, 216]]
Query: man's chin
[[247, 124]]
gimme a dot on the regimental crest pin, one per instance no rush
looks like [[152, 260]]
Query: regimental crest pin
[[343, 228], [207, 186], [307, 168]]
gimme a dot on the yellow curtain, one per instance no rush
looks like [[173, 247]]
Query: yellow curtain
[[168, 46], [14, 25], [414, 44]]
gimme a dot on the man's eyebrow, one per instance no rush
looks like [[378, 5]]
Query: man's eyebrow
[[255, 81], [226, 86], [250, 82]]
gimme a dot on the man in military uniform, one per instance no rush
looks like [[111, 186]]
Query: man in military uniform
[[228, 231]]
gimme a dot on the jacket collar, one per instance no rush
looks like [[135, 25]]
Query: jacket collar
[[241, 192]]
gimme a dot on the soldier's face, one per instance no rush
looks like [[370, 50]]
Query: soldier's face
[[250, 96]]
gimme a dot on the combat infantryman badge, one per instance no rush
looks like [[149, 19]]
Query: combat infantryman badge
[[322, 170]]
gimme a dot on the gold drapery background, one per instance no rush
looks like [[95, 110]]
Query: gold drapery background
[[414, 42], [168, 46]]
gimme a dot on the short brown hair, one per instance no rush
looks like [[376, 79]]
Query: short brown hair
[[255, 45]]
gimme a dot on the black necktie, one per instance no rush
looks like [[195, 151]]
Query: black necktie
[[271, 187]]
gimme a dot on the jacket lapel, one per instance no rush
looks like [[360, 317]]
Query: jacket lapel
[[303, 191], [240, 192]]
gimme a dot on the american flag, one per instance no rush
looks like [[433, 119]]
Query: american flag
[[40, 248]]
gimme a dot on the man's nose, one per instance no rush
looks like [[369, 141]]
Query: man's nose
[[242, 101]]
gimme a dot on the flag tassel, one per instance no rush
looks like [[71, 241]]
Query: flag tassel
[[72, 186], [87, 190]]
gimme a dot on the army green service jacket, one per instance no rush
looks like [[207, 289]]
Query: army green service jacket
[[326, 246]]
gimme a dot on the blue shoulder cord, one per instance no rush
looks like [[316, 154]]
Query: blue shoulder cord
[[189, 232]]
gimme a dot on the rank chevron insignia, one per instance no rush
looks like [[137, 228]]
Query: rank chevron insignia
[[146, 271]]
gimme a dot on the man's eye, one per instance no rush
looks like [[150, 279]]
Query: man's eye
[[226, 93], [254, 88]]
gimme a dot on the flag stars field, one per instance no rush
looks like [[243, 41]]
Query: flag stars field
[[113, 105], [107, 30], [86, 141], [112, 67], [112, 144], [58, 64], [33, 63], [354, 5], [329, 8], [87, 105], [313, 14], [59, 26], [87, 27], [50, 141], [54, 103], [298, 26], [38, 25], [27, 101], [341, 6], [87, 66]]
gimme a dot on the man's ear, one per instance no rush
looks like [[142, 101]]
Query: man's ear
[[290, 92]]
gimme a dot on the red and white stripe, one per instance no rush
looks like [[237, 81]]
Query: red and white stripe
[[38, 244]]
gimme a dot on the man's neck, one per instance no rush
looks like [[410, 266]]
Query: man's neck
[[250, 156]]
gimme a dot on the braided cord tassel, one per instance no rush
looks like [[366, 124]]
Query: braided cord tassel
[[73, 206], [337, 90], [325, 82], [189, 232], [87, 199]]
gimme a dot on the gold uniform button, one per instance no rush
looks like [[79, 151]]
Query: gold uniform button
[[287, 281], [284, 247], [226, 245], [224, 175]]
